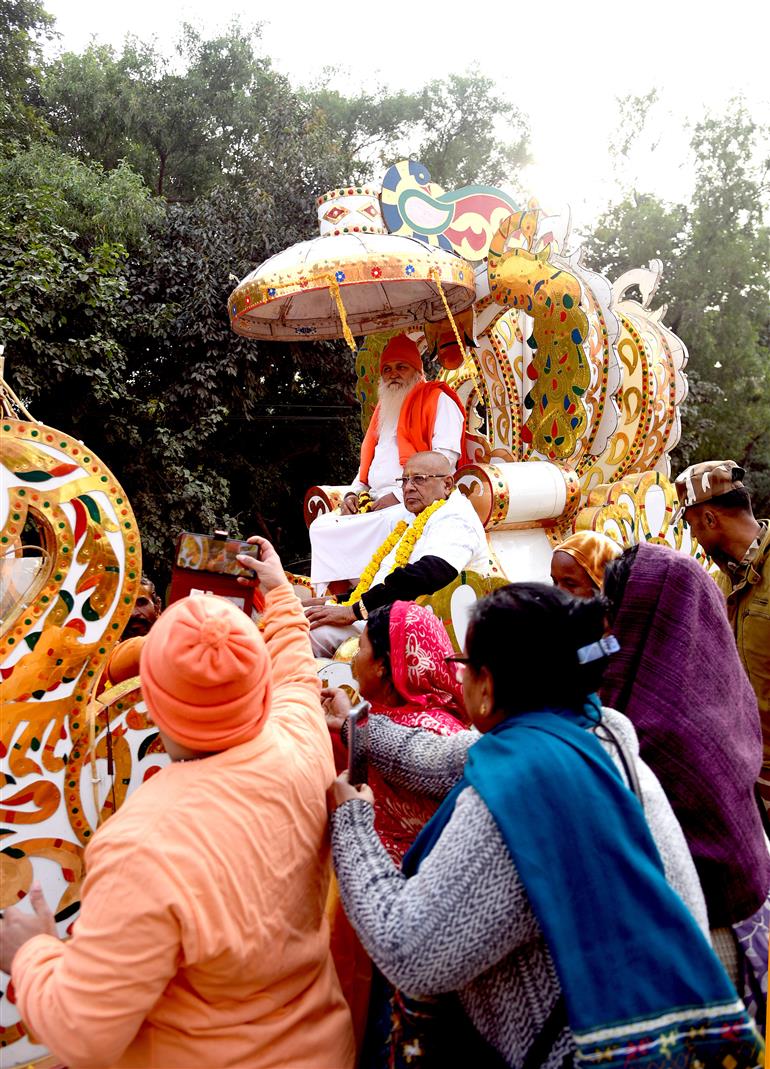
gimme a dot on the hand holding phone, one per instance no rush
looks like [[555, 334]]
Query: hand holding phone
[[358, 743], [264, 563], [341, 791]]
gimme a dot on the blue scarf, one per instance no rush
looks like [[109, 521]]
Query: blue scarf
[[640, 981]]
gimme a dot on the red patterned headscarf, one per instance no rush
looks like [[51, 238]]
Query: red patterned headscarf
[[433, 701], [419, 646]]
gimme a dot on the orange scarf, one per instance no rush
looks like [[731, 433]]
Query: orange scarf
[[416, 424]]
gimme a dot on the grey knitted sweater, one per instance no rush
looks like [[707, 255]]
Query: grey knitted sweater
[[463, 923]]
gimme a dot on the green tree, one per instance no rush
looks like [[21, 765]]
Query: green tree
[[366, 128], [64, 232], [228, 432], [92, 203], [185, 122], [460, 127], [24, 25], [217, 113], [716, 255], [470, 133]]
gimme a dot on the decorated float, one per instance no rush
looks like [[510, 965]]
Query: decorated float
[[571, 385]]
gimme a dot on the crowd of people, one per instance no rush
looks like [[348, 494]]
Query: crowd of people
[[559, 858]]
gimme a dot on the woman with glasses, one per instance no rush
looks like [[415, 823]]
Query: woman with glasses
[[549, 914]]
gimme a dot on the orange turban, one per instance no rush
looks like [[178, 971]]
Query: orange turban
[[402, 348], [206, 674], [593, 552]]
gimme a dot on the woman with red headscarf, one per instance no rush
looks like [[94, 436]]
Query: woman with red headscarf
[[401, 669]]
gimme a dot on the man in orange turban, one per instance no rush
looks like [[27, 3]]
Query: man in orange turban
[[412, 416]]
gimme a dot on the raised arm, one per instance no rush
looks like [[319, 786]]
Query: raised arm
[[286, 631], [296, 687], [285, 627]]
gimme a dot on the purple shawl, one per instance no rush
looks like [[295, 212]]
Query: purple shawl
[[679, 680]]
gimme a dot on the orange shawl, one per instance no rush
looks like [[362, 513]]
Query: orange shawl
[[415, 425]]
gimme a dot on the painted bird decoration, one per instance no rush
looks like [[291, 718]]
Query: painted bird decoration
[[462, 220]]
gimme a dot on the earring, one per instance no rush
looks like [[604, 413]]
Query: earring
[[483, 709]]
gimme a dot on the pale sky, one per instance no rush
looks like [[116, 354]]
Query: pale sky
[[564, 64]]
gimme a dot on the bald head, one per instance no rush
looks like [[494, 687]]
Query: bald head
[[429, 462], [434, 480]]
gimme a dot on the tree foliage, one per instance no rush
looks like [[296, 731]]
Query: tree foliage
[[470, 132], [716, 255], [185, 122], [227, 438], [217, 113], [24, 24], [63, 234], [460, 128]]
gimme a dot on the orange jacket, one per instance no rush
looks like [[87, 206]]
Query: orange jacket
[[415, 425], [202, 938]]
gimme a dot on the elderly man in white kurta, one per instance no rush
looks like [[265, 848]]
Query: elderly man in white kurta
[[450, 540], [411, 416]]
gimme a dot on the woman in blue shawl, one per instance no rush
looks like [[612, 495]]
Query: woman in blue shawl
[[536, 897]]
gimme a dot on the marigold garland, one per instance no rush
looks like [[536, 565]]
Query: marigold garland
[[405, 536]]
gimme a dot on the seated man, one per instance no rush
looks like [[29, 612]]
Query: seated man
[[445, 537], [412, 415]]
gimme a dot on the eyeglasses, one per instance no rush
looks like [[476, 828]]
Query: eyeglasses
[[459, 660], [418, 480]]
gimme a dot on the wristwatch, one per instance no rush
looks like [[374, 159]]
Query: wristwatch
[[360, 610]]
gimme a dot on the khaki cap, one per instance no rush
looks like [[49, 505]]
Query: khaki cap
[[702, 482]]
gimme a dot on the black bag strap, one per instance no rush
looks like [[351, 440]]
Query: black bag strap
[[627, 762]]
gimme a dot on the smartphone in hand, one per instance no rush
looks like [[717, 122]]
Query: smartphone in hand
[[208, 553], [208, 564], [358, 743]]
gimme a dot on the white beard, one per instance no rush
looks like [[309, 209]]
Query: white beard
[[391, 397]]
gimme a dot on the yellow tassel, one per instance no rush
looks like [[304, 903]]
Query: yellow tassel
[[435, 274], [334, 288]]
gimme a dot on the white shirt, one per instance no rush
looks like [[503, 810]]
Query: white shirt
[[454, 533], [386, 465]]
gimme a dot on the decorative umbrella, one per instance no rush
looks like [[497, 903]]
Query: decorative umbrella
[[354, 279]]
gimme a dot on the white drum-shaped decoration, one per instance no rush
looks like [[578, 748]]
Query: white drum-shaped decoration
[[519, 495], [350, 210]]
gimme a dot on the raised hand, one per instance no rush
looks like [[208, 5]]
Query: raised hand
[[268, 570], [18, 926]]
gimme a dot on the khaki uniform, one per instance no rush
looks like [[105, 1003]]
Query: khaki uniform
[[747, 590]]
